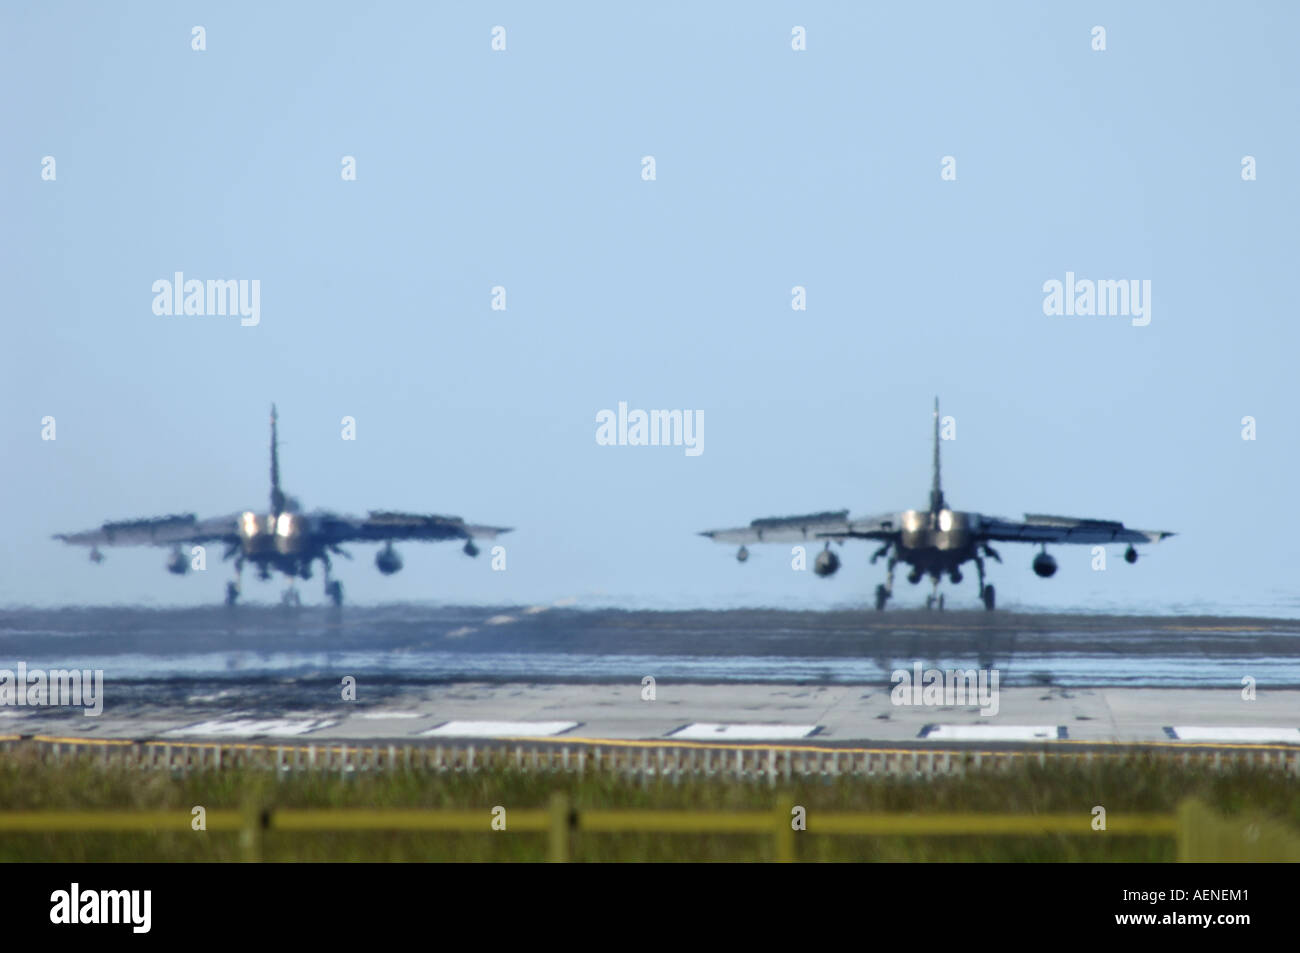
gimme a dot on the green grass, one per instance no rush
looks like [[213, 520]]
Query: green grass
[[1137, 785]]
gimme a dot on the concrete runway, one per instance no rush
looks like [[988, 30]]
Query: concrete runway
[[429, 674], [723, 714]]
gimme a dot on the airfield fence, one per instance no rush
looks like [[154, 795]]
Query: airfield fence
[[668, 760], [1201, 834]]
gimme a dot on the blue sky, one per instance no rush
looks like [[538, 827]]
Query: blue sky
[[775, 168]]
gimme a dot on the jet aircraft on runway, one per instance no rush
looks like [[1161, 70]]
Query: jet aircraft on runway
[[934, 541], [283, 539]]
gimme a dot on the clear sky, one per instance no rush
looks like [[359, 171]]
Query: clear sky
[[775, 168]]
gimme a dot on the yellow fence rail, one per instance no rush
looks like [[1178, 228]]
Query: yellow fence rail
[[1200, 833]]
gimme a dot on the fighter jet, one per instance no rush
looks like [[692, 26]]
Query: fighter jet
[[283, 539], [936, 541]]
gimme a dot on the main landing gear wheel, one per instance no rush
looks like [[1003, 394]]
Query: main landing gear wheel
[[989, 597], [934, 602], [290, 597], [334, 590], [882, 595], [232, 593]]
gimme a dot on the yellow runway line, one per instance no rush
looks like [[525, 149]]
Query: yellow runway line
[[1042, 746]]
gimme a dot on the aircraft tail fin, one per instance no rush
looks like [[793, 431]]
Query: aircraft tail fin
[[277, 496], [936, 483]]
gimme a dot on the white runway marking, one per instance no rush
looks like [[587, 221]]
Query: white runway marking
[[1235, 733], [463, 630], [712, 731], [380, 715], [252, 727], [992, 733], [498, 729], [499, 620]]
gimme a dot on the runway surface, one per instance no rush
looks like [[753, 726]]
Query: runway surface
[[749, 675]]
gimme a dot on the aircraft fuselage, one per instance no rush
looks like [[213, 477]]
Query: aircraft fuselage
[[937, 542], [282, 543]]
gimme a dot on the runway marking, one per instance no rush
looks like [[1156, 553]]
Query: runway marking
[[380, 715], [1204, 733], [706, 731], [462, 631], [993, 733], [499, 620], [251, 727], [1217, 628], [499, 729]]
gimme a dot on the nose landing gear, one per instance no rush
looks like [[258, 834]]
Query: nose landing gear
[[935, 598]]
